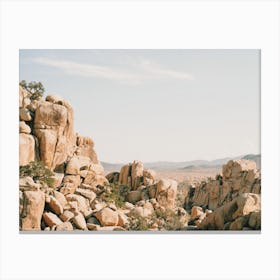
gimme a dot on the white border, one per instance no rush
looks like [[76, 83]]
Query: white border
[[191, 24]]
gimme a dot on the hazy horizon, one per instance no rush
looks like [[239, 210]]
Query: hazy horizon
[[156, 105]]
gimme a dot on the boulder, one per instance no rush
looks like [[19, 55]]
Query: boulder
[[33, 207], [80, 221], [241, 206], [137, 170], [64, 226], [82, 203], [133, 196], [25, 115], [55, 206], [125, 174], [196, 212], [60, 198], [66, 216], [51, 219], [149, 177], [77, 165], [53, 125], [70, 184], [107, 217], [26, 148], [58, 177], [24, 97], [89, 194], [235, 167], [27, 184], [166, 193], [255, 220], [24, 128]]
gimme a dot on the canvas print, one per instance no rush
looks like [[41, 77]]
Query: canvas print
[[139, 140]]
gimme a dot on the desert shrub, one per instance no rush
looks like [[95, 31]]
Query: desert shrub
[[35, 89], [116, 194], [38, 172], [138, 223], [172, 221]]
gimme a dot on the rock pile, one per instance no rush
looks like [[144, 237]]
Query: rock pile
[[78, 198], [232, 198]]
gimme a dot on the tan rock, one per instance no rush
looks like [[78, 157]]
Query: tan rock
[[149, 177], [90, 195], [58, 177], [234, 167], [24, 115], [26, 148], [70, 184], [137, 170], [255, 220], [24, 128], [51, 219], [133, 196], [64, 226], [166, 193], [27, 184], [77, 165], [125, 173], [24, 99], [55, 206], [196, 212], [107, 217], [53, 125], [123, 219], [80, 221], [60, 198], [66, 216], [33, 207], [83, 203]]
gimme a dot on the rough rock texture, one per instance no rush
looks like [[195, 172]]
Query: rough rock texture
[[26, 148], [239, 176], [53, 125], [107, 217], [235, 212], [134, 175], [166, 192], [32, 210]]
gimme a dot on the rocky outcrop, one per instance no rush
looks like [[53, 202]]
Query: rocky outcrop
[[134, 175], [82, 198], [238, 176], [235, 215]]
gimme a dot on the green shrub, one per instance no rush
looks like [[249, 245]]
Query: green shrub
[[116, 194], [171, 220], [38, 172], [138, 223], [35, 89]]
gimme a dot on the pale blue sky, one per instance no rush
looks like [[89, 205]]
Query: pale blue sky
[[155, 105]]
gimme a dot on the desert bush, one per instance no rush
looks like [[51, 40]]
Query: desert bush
[[35, 89], [38, 172], [138, 223], [116, 194], [172, 221]]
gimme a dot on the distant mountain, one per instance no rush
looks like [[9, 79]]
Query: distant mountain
[[169, 165]]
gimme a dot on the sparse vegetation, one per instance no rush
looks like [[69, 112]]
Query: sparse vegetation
[[138, 223], [172, 221], [38, 172], [35, 89], [116, 194]]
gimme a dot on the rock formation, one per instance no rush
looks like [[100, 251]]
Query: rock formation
[[80, 197]]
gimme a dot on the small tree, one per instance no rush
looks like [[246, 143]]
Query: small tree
[[37, 171], [35, 89]]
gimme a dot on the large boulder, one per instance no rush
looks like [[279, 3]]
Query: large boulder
[[107, 217], [239, 207], [137, 169], [53, 125], [26, 148], [33, 207], [166, 193]]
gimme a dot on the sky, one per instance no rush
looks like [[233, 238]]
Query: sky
[[156, 105]]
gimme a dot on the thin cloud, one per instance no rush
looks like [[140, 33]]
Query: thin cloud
[[140, 71]]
